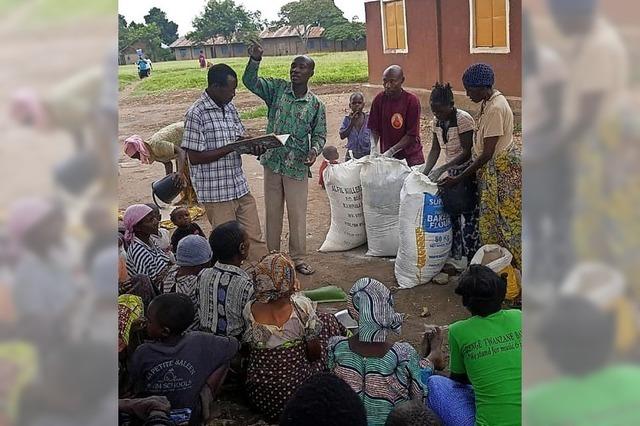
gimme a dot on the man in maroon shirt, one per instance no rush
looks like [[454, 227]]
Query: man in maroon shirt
[[394, 119]]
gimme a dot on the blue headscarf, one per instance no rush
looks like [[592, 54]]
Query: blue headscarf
[[478, 75], [370, 303]]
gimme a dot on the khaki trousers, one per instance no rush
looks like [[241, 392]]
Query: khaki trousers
[[278, 190], [245, 211]]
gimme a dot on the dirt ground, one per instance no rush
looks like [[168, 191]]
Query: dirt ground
[[145, 115]]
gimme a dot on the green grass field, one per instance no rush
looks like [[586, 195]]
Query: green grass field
[[331, 68]]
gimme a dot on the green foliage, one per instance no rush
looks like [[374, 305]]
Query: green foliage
[[257, 112], [331, 68], [225, 18], [347, 31], [168, 29], [306, 14], [150, 35]]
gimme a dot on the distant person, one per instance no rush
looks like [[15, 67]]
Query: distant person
[[324, 400], [144, 67], [211, 123], [176, 364], [394, 120], [355, 128], [293, 110], [330, 154], [202, 60], [181, 218], [164, 147], [453, 133], [485, 357]]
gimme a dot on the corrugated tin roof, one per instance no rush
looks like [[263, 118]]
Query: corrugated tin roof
[[315, 32], [288, 31]]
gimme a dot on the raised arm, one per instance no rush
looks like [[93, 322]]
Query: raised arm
[[262, 87]]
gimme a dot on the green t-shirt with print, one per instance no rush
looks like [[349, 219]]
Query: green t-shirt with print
[[610, 397], [488, 351]]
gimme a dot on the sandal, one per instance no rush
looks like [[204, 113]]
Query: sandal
[[304, 269]]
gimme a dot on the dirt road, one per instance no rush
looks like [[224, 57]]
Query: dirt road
[[145, 115]]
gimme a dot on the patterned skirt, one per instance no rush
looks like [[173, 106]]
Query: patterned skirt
[[273, 375], [500, 188]]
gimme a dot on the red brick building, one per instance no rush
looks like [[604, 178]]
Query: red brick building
[[436, 40]]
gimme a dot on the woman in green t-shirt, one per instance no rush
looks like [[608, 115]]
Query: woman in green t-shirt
[[485, 357]]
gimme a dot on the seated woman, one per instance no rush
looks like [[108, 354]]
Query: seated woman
[[143, 256], [485, 352], [382, 373], [286, 336], [192, 256]]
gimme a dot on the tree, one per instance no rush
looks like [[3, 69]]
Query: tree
[[168, 29], [226, 19], [305, 14], [147, 34], [353, 30]]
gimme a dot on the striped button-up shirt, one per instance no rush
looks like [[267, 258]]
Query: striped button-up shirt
[[208, 126]]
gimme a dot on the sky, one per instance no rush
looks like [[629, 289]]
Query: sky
[[182, 12]]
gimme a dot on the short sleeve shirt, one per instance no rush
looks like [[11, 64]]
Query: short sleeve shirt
[[489, 351], [179, 372], [461, 123], [495, 119], [208, 126], [392, 119]]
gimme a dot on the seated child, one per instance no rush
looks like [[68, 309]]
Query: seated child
[[412, 413], [178, 365], [330, 153], [355, 128], [180, 217], [193, 255], [226, 284], [162, 239]]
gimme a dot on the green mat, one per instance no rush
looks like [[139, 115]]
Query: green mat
[[326, 294]]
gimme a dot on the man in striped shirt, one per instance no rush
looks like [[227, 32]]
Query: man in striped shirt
[[221, 186]]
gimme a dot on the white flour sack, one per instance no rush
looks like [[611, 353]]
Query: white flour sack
[[347, 230], [382, 180], [425, 232]]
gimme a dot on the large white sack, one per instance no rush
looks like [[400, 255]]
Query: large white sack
[[347, 230], [382, 179], [425, 232]]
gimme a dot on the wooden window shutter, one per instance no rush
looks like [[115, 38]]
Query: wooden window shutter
[[484, 23], [391, 27], [400, 26], [499, 23]]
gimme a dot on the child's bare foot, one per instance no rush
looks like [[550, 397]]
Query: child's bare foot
[[432, 347]]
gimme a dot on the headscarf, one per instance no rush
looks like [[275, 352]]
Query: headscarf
[[193, 250], [274, 277], [132, 216], [370, 303], [478, 75], [27, 103], [24, 215], [135, 144]]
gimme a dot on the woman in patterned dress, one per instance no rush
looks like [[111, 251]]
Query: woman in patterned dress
[[287, 337], [497, 162], [383, 374]]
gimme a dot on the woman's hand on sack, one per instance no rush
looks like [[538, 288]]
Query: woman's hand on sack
[[435, 174], [448, 181]]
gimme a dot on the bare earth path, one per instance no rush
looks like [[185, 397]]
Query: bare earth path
[[147, 114]]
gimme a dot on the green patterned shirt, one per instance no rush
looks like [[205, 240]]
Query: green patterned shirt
[[303, 118]]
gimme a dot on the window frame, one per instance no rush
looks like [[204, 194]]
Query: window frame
[[384, 32], [472, 31]]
